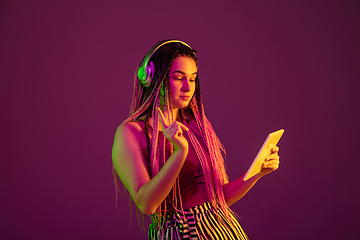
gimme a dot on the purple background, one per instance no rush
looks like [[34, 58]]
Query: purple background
[[66, 84]]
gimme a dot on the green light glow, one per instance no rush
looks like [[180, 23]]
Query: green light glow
[[141, 73]]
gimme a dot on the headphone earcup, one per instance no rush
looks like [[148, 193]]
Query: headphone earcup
[[141, 74], [146, 71], [150, 74]]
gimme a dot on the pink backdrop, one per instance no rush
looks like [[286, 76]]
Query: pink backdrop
[[66, 84]]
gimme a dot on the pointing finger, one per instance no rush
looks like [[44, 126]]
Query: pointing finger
[[163, 121]]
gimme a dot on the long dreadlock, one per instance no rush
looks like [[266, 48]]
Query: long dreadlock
[[158, 94]]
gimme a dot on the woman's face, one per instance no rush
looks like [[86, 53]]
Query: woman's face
[[183, 73]]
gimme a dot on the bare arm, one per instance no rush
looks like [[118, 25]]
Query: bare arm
[[130, 164], [235, 190]]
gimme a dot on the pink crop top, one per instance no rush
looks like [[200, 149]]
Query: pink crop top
[[193, 188]]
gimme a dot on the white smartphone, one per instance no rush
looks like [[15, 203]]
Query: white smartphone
[[271, 141]]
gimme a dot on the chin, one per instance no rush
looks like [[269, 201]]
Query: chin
[[185, 107], [181, 106]]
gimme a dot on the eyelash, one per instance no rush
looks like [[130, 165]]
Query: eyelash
[[179, 79]]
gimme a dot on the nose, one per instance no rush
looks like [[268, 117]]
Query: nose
[[185, 85]]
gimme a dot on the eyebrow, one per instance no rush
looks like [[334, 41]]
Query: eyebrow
[[178, 71]]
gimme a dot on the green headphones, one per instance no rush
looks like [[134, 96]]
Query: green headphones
[[146, 71]]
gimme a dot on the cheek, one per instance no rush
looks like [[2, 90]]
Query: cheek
[[194, 88], [173, 89], [174, 86]]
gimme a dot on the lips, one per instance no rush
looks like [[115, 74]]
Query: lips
[[185, 97]]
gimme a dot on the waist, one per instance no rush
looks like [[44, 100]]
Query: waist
[[193, 192], [201, 208]]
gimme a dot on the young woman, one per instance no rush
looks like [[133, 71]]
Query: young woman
[[168, 156]]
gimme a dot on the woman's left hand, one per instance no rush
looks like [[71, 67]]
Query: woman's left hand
[[272, 161]]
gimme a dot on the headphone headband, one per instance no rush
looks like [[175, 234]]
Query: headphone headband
[[145, 72]]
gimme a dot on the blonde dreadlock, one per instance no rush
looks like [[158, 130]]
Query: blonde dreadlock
[[158, 94]]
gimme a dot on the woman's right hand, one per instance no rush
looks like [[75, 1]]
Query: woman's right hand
[[174, 132]]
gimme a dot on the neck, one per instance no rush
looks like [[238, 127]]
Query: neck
[[175, 116]]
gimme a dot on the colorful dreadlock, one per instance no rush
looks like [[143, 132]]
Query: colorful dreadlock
[[158, 94]]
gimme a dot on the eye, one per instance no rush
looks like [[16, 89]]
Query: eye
[[192, 80]]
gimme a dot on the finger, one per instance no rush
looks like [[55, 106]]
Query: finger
[[172, 127], [272, 157], [275, 149], [175, 131], [272, 166], [272, 163], [178, 124], [163, 121], [270, 169], [183, 127]]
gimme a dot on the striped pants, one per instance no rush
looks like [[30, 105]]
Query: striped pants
[[199, 222]]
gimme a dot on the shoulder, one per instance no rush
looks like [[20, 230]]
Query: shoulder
[[135, 127], [131, 130]]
